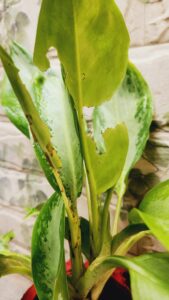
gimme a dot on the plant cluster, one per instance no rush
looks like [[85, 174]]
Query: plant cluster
[[47, 106]]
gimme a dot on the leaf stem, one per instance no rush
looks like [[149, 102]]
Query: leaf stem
[[81, 121], [93, 205], [120, 192], [74, 225], [88, 197], [106, 236]]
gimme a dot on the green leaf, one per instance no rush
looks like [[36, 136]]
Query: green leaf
[[51, 99], [11, 262], [14, 263], [92, 44], [5, 240], [45, 164], [48, 262], [131, 104], [34, 211], [155, 286], [12, 107], [154, 212], [39, 129], [107, 166], [148, 275]]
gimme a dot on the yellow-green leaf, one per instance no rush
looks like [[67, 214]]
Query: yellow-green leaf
[[92, 42], [107, 166], [14, 263]]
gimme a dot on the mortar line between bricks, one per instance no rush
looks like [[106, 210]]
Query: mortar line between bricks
[[19, 170]]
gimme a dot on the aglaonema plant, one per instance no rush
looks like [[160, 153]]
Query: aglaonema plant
[[47, 106]]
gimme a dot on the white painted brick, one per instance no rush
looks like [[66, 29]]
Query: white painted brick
[[18, 21], [16, 150], [21, 178], [153, 62], [13, 287], [11, 219], [23, 189], [147, 21]]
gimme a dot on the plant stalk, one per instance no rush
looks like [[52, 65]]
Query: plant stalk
[[106, 236], [75, 233], [93, 205], [120, 193]]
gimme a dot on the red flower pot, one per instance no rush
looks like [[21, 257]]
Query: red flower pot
[[117, 286], [30, 294]]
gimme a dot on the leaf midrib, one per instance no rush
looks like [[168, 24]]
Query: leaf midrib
[[77, 58]]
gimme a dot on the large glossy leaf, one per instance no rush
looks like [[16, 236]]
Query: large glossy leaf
[[148, 275], [92, 44], [54, 105], [154, 212], [107, 166], [131, 104], [14, 263], [48, 262]]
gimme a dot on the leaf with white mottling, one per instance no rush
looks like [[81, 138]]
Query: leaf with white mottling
[[48, 262], [131, 104], [54, 106]]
